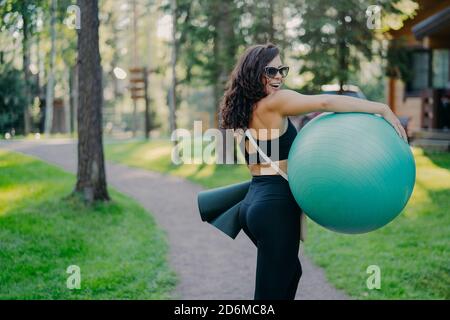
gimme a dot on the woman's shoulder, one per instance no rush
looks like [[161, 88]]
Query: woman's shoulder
[[273, 101], [263, 118]]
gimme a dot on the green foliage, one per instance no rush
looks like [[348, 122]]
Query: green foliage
[[12, 100], [335, 33], [398, 60], [207, 47], [337, 39], [197, 36], [11, 11], [374, 90], [67, 48]]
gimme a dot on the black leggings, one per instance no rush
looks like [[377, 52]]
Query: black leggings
[[270, 217]]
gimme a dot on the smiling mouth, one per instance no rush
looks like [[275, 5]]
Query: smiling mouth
[[275, 85]]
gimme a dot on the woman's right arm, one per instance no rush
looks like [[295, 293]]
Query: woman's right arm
[[291, 103]]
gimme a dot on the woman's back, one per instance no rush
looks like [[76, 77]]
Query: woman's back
[[264, 119], [273, 134]]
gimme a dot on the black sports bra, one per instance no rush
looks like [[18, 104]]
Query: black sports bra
[[284, 144]]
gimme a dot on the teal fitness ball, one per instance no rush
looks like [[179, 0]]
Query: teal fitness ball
[[351, 172]]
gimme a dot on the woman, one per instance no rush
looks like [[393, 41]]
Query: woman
[[269, 215]]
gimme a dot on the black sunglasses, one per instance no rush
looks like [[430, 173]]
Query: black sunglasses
[[271, 72]]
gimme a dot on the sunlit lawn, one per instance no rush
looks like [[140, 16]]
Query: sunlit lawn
[[156, 155], [413, 251], [119, 249]]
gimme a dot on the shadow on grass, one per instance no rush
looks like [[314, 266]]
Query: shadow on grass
[[440, 159]]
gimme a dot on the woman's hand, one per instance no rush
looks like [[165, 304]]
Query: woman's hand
[[395, 122]]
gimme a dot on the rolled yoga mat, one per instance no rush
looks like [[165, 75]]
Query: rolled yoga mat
[[220, 207]]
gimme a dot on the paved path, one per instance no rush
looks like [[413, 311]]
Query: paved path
[[209, 263]]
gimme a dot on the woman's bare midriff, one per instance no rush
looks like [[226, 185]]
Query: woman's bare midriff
[[262, 169]]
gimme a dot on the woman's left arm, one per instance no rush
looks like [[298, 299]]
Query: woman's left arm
[[336, 103]]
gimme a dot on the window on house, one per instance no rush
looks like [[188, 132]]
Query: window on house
[[420, 71], [441, 68]]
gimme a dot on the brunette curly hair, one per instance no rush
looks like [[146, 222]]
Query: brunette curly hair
[[245, 87]]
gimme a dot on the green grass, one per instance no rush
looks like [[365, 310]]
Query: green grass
[[118, 247], [413, 251], [156, 155]]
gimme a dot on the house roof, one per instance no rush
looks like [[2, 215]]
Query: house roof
[[438, 23]]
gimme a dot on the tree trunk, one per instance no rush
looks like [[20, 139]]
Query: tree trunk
[[67, 101], [136, 63], [271, 22], [39, 81], [26, 71], [91, 179], [342, 54], [173, 88], [49, 97], [224, 50], [147, 105], [279, 27], [73, 85]]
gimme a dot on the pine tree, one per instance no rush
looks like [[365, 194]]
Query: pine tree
[[91, 179]]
